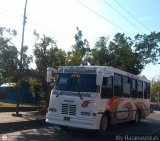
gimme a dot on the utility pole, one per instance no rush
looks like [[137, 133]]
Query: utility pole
[[158, 96], [17, 114]]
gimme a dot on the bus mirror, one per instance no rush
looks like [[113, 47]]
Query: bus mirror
[[49, 73], [99, 78]]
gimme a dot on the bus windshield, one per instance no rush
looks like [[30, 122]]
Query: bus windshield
[[76, 82]]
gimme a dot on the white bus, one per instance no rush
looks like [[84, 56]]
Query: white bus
[[95, 97]]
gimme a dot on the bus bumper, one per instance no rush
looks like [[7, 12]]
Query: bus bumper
[[71, 121]]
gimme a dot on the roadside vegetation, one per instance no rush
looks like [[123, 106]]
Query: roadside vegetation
[[123, 52]]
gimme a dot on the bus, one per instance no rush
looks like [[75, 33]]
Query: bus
[[96, 97]]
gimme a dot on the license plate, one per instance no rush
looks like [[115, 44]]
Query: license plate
[[67, 118]]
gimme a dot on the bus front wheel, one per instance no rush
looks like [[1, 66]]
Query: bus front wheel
[[104, 123]]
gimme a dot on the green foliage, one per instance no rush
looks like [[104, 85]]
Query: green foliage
[[41, 54], [26, 60], [32, 83], [147, 46], [78, 54], [57, 57], [123, 56], [100, 53], [121, 52], [47, 55], [117, 53], [155, 89], [9, 56]]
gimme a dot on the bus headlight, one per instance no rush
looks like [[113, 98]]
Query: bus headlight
[[53, 109]]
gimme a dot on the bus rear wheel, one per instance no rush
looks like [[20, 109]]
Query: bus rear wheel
[[138, 116], [104, 124]]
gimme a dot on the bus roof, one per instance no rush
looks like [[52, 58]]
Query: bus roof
[[94, 69]]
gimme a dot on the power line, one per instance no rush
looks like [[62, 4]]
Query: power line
[[129, 13], [102, 17], [62, 33], [123, 16], [50, 30]]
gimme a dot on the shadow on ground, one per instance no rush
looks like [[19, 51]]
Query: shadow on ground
[[73, 134]]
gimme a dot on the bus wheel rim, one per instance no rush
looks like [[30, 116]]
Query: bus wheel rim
[[137, 117]]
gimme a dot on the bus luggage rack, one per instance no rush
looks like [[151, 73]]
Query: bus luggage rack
[[68, 109]]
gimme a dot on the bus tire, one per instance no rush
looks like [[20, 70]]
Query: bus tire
[[137, 116], [104, 124]]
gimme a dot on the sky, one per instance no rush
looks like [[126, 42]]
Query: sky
[[59, 19]]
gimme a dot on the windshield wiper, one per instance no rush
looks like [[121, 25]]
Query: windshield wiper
[[80, 96], [59, 92]]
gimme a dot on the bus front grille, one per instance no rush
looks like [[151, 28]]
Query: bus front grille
[[68, 109]]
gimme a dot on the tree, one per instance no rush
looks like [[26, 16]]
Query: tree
[[79, 51], [147, 46], [155, 89], [41, 54], [117, 53], [26, 59], [57, 57], [123, 56], [9, 56], [47, 55], [8, 60], [100, 53]]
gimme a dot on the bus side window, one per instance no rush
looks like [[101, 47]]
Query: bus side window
[[126, 86], [107, 87], [133, 88], [148, 90], [140, 89], [117, 85], [145, 89]]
